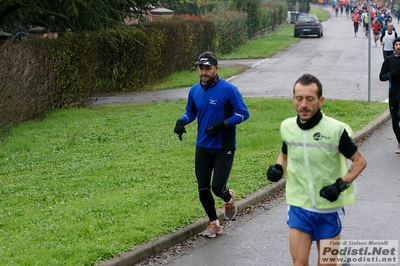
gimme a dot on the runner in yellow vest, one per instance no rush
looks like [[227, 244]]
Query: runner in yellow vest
[[319, 181]]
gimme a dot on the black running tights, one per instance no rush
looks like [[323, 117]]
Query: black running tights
[[394, 105], [207, 161], [355, 27]]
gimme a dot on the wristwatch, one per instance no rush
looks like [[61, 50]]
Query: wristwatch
[[343, 185]]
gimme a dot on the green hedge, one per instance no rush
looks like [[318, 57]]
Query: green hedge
[[231, 30], [27, 87], [43, 74], [75, 69], [156, 51], [234, 28]]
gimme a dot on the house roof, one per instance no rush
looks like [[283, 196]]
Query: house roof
[[161, 11]]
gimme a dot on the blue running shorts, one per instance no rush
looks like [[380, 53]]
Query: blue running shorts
[[318, 225]]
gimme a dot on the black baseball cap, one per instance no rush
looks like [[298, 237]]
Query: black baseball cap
[[207, 59]]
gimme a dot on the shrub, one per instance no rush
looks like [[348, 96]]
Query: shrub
[[42, 74], [27, 87], [156, 50], [231, 30]]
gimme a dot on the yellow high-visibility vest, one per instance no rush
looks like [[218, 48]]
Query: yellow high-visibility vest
[[314, 161]]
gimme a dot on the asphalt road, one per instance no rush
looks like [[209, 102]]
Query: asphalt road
[[340, 61]]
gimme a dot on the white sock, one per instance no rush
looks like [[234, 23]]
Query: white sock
[[216, 222]]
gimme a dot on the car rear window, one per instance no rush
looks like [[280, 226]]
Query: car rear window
[[306, 19]]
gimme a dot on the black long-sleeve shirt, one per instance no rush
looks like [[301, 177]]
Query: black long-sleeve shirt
[[391, 62]]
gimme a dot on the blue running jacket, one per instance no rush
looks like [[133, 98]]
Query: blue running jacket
[[220, 102]]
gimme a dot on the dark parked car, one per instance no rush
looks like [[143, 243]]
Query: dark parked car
[[308, 25]]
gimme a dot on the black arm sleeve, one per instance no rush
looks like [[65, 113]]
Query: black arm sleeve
[[347, 147], [382, 35], [384, 74], [284, 148]]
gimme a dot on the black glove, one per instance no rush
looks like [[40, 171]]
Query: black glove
[[275, 173], [393, 73], [180, 129], [216, 127], [331, 192]]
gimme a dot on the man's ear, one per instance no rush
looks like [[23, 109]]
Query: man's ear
[[321, 101]]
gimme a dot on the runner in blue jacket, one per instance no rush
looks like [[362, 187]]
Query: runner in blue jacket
[[218, 107]]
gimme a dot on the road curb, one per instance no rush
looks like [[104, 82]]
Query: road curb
[[368, 129], [146, 250]]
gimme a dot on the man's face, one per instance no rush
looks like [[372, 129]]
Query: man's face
[[306, 101], [397, 48], [390, 27], [207, 73]]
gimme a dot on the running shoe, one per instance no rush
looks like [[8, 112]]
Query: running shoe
[[398, 149], [213, 230], [230, 208]]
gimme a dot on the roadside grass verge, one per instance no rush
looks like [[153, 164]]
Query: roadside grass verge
[[321, 13], [266, 45], [187, 78]]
